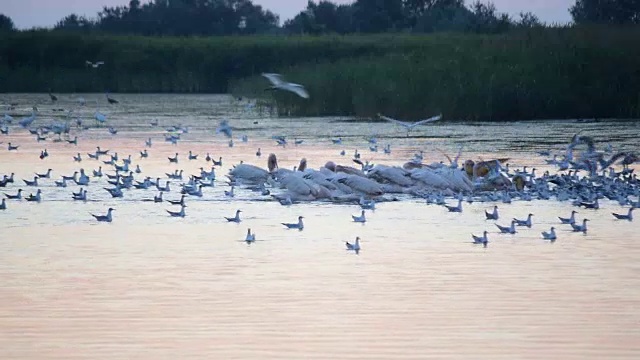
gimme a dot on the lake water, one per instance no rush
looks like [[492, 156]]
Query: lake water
[[148, 286]]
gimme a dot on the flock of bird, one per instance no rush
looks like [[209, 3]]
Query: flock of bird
[[582, 178]]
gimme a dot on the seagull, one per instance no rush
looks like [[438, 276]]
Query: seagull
[[580, 228], [37, 197], [629, 215], [250, 237], [17, 196], [526, 223], [177, 202], [411, 125], [12, 147], [104, 218], [173, 159], [94, 65], [235, 219], [355, 246], [299, 225], [158, 198], [3, 205], [492, 216], [178, 213], [551, 235], [569, 220], [31, 183], [360, 219], [455, 208], [192, 157], [46, 175], [258, 153], [278, 84], [480, 239], [111, 100], [230, 192], [508, 229]]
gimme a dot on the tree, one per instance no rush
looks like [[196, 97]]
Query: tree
[[6, 24], [74, 22], [606, 11], [375, 16]]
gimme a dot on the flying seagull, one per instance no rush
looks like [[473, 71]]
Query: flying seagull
[[94, 65], [410, 125], [278, 83]]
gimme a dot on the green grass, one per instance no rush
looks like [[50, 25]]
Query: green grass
[[540, 73]]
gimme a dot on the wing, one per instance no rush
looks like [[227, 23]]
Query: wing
[[393, 120], [100, 63], [275, 79], [88, 62], [432, 119], [299, 90]]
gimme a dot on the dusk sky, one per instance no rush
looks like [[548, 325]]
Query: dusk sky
[[45, 13]]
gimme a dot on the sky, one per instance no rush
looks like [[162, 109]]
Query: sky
[[45, 13]]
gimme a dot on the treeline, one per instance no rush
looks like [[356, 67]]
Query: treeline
[[238, 17]]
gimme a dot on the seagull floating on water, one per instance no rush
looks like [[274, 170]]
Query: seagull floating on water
[[250, 237], [580, 228], [493, 215], [353, 247], [526, 222], [104, 218], [180, 213], [17, 196], [508, 229], [628, 216], [299, 225], [235, 219], [360, 219], [569, 220], [481, 239], [551, 235]]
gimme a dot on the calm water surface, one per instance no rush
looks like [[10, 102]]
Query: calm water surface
[[148, 286]]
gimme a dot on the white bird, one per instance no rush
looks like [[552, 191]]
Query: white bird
[[569, 220], [526, 222], [250, 237], [455, 208], [180, 213], [580, 228], [481, 239], [94, 65], [628, 216], [235, 219], [104, 218], [493, 215], [360, 219], [508, 229], [278, 83], [299, 225], [411, 125], [551, 235], [355, 246]]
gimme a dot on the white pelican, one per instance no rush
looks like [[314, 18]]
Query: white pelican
[[278, 83]]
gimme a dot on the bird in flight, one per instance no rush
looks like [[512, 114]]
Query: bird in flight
[[94, 65], [278, 84], [411, 125]]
